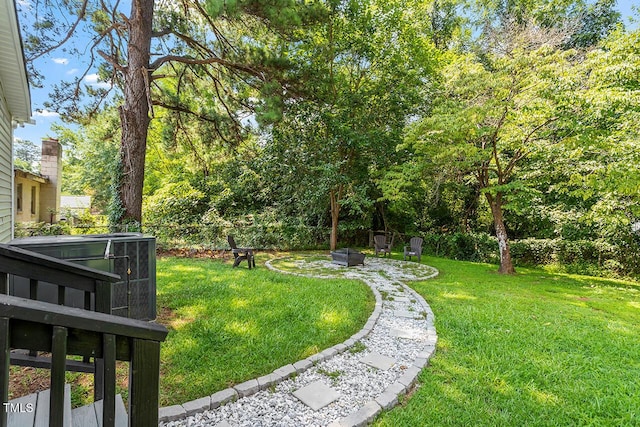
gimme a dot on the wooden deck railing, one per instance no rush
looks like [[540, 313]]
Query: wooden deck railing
[[66, 275], [31, 325], [40, 326]]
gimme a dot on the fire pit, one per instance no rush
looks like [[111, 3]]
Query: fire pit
[[347, 257]]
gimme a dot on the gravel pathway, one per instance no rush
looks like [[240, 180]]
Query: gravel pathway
[[346, 385]]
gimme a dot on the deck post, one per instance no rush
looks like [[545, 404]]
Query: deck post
[[58, 364], [144, 383], [102, 305], [109, 380], [4, 368]]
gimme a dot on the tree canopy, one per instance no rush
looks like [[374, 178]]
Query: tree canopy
[[517, 118]]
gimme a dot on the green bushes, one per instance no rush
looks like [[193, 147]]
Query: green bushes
[[534, 251], [462, 246], [262, 231], [27, 229], [175, 203], [594, 257]]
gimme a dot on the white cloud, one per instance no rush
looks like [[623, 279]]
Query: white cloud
[[92, 80], [61, 61], [46, 113], [72, 71]]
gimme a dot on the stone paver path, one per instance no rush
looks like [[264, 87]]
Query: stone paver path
[[346, 385]]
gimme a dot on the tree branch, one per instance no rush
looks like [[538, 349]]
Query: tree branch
[[81, 15], [521, 153], [185, 110], [193, 61], [114, 63]]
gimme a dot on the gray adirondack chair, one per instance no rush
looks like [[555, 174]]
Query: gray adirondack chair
[[381, 244], [414, 248]]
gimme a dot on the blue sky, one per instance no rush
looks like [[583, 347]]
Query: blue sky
[[59, 67]]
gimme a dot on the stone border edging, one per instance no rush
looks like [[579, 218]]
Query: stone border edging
[[361, 417]]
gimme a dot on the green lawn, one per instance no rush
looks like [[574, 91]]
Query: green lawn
[[532, 349], [228, 325]]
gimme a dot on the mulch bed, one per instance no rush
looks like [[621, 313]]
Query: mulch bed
[[194, 253]]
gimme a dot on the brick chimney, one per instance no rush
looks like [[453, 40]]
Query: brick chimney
[[50, 168]]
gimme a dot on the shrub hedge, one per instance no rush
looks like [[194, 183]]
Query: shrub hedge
[[595, 257]]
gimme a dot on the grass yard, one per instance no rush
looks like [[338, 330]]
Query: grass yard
[[535, 349], [229, 325]]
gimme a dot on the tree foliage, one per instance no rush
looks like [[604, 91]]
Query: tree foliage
[[26, 155], [363, 69], [511, 117], [196, 45]]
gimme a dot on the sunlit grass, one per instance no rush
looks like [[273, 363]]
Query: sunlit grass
[[534, 349], [228, 325]]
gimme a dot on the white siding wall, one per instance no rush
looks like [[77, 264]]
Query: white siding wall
[[6, 172]]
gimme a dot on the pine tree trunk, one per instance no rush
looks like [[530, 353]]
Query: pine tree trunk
[[335, 214], [506, 265], [134, 113]]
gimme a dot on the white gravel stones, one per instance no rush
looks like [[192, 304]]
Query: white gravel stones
[[358, 392]]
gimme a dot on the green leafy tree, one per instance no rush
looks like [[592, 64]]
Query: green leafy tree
[[601, 181], [155, 40], [363, 69], [492, 113], [91, 156], [26, 155]]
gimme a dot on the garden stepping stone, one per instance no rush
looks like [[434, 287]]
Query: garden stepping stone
[[406, 314], [223, 424], [413, 334], [316, 395], [401, 299], [378, 361]]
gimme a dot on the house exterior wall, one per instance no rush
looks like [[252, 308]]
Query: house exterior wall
[[6, 171], [15, 107], [26, 189]]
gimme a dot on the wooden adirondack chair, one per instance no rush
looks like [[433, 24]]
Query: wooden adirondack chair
[[241, 254]]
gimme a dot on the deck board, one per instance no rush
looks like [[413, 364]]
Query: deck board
[[42, 408], [33, 411], [23, 416], [122, 420], [84, 417]]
